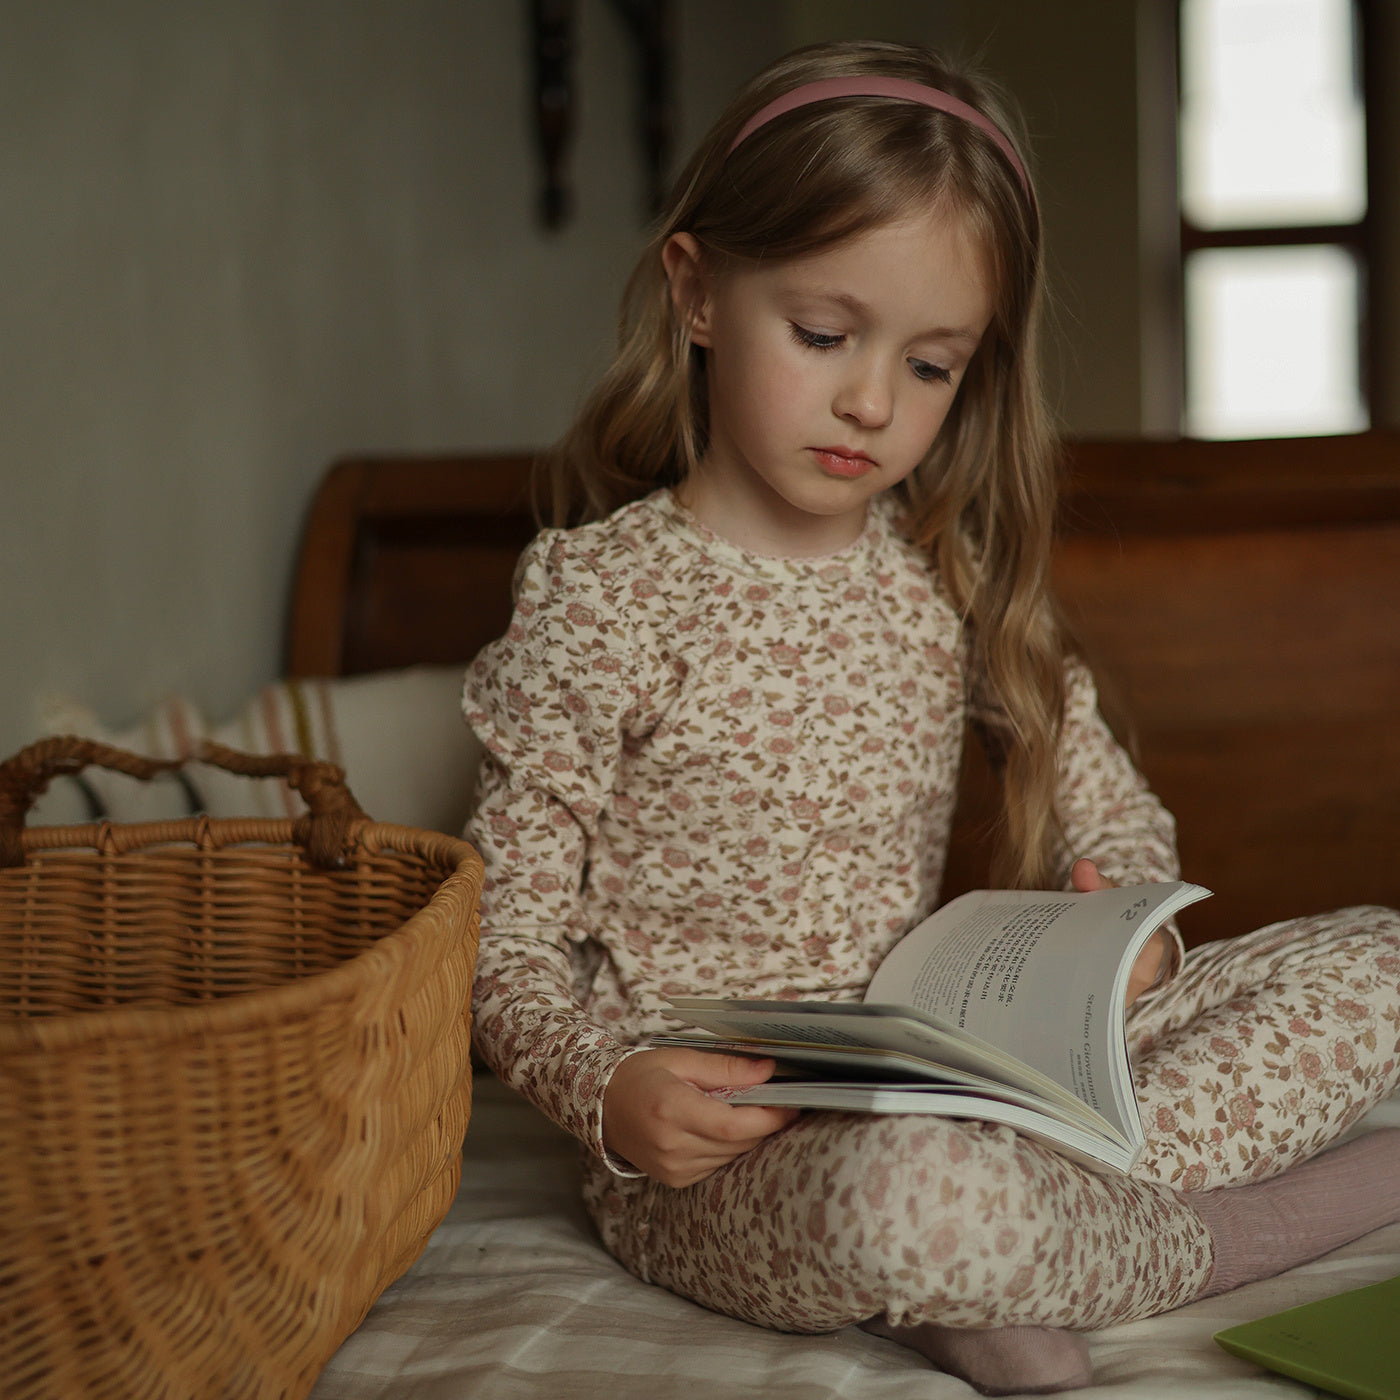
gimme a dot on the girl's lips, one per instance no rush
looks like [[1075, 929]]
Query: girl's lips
[[836, 461]]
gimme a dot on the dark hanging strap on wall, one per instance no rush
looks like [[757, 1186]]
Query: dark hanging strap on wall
[[553, 29], [649, 25]]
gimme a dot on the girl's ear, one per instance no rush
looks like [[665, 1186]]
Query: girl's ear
[[684, 261]]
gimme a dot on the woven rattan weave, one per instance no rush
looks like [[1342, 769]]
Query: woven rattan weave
[[234, 1081]]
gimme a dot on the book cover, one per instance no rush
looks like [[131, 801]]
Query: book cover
[[1348, 1344]]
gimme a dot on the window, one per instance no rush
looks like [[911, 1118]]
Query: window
[[1273, 192]]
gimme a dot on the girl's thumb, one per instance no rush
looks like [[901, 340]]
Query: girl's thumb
[[722, 1071]]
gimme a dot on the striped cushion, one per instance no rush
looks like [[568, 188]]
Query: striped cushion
[[399, 735]]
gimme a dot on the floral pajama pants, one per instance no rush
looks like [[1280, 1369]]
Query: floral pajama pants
[[1262, 1052]]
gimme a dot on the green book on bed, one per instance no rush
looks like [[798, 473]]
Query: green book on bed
[[1348, 1344]]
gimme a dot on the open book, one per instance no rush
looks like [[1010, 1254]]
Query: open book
[[1004, 1005]]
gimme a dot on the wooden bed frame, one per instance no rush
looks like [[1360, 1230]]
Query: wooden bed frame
[[1239, 601]]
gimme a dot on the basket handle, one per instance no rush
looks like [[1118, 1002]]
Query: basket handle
[[327, 831]]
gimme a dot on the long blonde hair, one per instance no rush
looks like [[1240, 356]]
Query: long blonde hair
[[982, 502]]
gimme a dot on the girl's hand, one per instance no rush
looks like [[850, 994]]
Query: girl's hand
[[1085, 878], [657, 1115]]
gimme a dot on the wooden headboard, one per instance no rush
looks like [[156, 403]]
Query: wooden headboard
[[1240, 603]]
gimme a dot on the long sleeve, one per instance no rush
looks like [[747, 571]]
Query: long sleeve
[[1107, 810], [551, 702]]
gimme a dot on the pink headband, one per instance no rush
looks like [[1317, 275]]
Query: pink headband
[[901, 88]]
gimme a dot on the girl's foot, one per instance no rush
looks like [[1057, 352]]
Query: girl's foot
[[998, 1360], [1311, 1209]]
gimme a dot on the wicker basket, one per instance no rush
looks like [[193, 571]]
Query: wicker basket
[[234, 1080]]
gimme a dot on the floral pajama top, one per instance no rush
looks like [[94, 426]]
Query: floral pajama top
[[710, 772]]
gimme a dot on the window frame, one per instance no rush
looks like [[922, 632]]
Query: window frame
[[1359, 238]]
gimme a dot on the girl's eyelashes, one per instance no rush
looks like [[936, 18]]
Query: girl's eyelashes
[[814, 340], [931, 373], [926, 370]]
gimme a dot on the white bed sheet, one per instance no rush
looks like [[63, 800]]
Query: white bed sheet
[[514, 1299]]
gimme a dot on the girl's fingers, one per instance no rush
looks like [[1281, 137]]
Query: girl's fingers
[[701, 1154], [717, 1121], [711, 1070], [659, 1115], [752, 1123], [1085, 877]]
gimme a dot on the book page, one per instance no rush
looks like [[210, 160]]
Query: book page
[[1040, 974]]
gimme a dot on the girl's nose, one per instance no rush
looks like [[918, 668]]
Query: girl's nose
[[865, 396]]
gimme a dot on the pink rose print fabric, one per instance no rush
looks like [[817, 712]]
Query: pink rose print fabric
[[715, 773], [1269, 1047]]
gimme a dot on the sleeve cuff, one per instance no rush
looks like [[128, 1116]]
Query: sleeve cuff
[[618, 1166]]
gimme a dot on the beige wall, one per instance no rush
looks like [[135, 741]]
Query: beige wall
[[1074, 69], [242, 237]]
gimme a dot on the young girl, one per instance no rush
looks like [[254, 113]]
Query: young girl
[[810, 510]]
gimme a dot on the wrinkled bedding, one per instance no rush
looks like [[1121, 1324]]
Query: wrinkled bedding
[[514, 1299]]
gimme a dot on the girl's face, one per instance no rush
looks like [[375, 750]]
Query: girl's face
[[829, 376]]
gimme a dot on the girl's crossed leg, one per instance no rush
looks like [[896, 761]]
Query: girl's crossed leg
[[1268, 1047], [844, 1216]]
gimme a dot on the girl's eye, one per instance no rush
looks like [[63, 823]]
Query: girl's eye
[[931, 373], [814, 340]]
